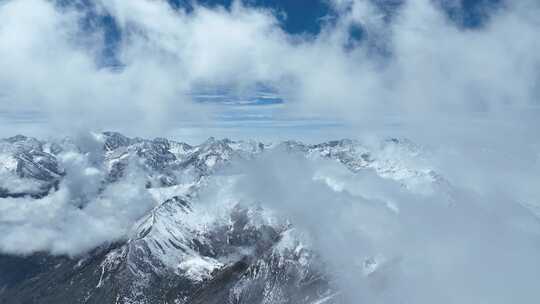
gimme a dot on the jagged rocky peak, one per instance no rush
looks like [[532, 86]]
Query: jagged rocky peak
[[336, 143], [180, 149], [181, 251], [16, 138], [216, 145], [351, 153], [162, 143], [156, 153], [23, 143], [115, 140], [25, 168], [292, 146], [163, 159], [165, 155]]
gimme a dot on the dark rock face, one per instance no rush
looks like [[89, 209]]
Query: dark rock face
[[114, 140], [131, 272], [41, 278]]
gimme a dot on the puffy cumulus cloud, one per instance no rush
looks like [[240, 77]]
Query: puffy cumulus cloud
[[412, 64], [434, 72], [468, 69], [385, 243], [49, 65], [83, 214]]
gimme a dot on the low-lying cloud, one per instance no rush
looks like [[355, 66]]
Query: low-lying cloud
[[470, 94], [83, 214], [385, 243], [467, 233]]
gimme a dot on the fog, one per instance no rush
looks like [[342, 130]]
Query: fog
[[83, 214], [469, 96], [464, 242], [471, 234]]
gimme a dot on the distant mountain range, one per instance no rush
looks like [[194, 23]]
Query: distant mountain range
[[244, 256]]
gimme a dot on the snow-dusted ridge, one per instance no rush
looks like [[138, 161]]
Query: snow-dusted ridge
[[181, 250], [29, 160], [111, 219]]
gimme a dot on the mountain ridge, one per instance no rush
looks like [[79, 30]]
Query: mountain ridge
[[238, 254]]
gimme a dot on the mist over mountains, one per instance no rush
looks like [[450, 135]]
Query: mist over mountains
[[110, 219], [269, 152]]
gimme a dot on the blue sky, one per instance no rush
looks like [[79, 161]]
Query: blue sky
[[298, 17]]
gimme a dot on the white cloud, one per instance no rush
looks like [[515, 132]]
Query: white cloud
[[435, 70], [79, 216], [420, 247], [472, 94]]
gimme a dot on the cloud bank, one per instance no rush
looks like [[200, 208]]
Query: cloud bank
[[385, 244], [413, 65], [83, 214]]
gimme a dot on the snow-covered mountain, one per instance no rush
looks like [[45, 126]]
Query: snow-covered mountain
[[182, 250], [27, 167]]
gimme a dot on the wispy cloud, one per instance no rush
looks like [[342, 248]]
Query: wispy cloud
[[417, 65]]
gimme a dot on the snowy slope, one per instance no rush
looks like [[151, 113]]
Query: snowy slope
[[184, 250]]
